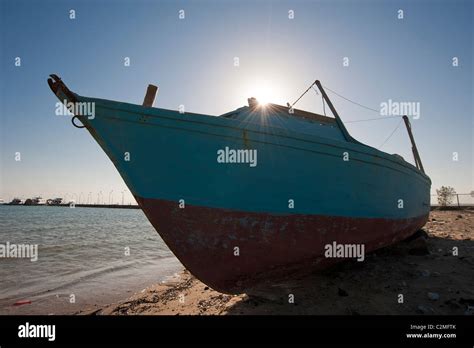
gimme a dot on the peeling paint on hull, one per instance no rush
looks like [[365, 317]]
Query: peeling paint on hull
[[269, 245]]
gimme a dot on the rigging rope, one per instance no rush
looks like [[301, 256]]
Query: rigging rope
[[301, 96], [393, 132], [356, 103], [361, 105], [369, 119], [322, 99], [341, 96], [373, 119]]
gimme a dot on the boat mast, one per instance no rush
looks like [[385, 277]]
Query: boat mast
[[334, 112], [339, 122], [346, 134], [416, 155]]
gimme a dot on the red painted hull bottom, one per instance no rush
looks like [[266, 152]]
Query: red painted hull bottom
[[269, 246]]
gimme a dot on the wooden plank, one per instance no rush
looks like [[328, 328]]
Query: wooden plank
[[413, 147], [150, 96], [334, 112]]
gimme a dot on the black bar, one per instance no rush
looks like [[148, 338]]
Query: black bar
[[262, 330]]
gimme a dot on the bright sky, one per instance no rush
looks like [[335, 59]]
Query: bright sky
[[193, 59]]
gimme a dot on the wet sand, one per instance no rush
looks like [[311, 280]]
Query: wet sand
[[424, 271]]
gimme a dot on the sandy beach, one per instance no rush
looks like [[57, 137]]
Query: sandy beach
[[425, 271]]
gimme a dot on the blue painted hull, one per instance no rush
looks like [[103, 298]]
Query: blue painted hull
[[167, 159], [173, 156]]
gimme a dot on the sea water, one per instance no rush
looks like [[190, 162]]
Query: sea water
[[85, 257]]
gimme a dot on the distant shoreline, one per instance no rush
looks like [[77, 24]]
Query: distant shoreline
[[131, 206]]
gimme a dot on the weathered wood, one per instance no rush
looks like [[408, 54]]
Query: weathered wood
[[334, 112], [413, 148], [150, 95]]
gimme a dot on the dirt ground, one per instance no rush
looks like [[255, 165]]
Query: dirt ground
[[424, 276]]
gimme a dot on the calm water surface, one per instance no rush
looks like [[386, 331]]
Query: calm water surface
[[81, 251]]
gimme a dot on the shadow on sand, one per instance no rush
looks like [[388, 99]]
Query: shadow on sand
[[427, 276]]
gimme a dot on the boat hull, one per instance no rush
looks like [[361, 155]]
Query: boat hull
[[269, 245], [305, 191]]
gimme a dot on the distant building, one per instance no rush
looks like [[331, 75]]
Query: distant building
[[35, 201], [17, 201], [39, 201], [54, 201]]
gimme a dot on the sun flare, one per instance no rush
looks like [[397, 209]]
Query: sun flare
[[262, 91], [263, 95]]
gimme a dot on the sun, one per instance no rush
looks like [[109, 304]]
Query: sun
[[263, 95], [262, 91]]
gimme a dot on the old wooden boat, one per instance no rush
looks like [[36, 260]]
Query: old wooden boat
[[234, 221]]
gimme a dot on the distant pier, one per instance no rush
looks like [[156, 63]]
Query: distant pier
[[119, 206]]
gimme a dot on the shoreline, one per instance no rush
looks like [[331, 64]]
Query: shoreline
[[92, 293], [425, 272]]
